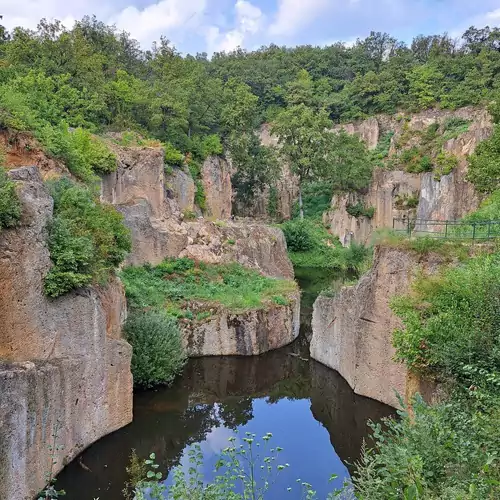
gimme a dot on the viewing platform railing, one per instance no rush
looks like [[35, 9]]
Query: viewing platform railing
[[448, 229]]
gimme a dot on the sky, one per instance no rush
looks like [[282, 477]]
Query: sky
[[217, 25]]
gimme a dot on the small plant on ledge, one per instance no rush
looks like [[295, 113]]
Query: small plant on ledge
[[359, 210]]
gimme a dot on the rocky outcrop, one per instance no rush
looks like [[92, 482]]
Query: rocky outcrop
[[151, 207], [183, 189], [244, 334], [448, 197], [253, 245], [216, 179], [64, 369], [386, 189], [352, 332]]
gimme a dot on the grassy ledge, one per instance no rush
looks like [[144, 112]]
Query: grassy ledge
[[193, 290]]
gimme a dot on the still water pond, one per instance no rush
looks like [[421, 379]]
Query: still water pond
[[310, 410]]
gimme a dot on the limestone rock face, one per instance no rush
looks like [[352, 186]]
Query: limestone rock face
[[244, 334], [158, 230], [64, 366], [447, 198], [253, 245], [385, 189], [352, 332], [183, 188], [216, 178]]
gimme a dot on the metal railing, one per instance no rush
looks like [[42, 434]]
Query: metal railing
[[448, 229]]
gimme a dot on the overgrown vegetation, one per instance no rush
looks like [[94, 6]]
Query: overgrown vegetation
[[183, 288], [406, 201], [10, 206], [87, 239], [484, 164], [360, 210], [448, 450], [158, 355], [311, 245]]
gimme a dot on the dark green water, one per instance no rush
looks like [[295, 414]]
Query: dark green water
[[311, 411]]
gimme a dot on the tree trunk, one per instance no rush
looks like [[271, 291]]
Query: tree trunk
[[301, 205]]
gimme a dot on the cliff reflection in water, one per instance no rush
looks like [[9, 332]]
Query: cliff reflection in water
[[278, 392]]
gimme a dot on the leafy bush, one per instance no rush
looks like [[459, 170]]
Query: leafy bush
[[173, 156], [211, 145], [199, 196], [484, 164], [10, 206], [157, 355], [443, 452], [445, 163], [272, 203], [87, 239], [298, 235], [454, 126], [359, 210], [451, 320], [406, 201], [381, 152]]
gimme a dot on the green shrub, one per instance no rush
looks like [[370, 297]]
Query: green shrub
[[199, 196], [359, 210], [298, 235], [454, 126], [173, 156], [211, 145], [445, 163], [406, 201], [87, 239], [381, 152], [157, 352], [10, 206], [446, 451], [484, 164]]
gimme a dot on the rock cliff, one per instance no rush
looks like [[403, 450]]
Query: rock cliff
[[352, 331], [216, 179], [244, 334], [151, 204], [65, 369], [446, 197]]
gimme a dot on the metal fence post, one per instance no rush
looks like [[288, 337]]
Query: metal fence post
[[473, 232], [446, 229], [489, 230], [408, 227]]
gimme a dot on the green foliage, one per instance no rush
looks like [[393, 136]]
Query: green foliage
[[10, 206], [184, 288], [406, 201], [299, 235], [451, 320], [173, 156], [247, 471], [445, 163], [87, 239], [381, 152], [199, 194], [157, 355], [311, 245], [484, 164], [359, 210], [448, 451], [316, 197], [454, 126]]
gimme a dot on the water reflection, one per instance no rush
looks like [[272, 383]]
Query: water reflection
[[311, 411]]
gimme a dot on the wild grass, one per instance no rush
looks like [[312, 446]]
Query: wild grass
[[187, 289]]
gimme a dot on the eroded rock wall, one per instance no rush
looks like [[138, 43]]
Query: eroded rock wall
[[151, 206], [448, 197], [216, 178], [64, 367], [352, 332], [244, 334]]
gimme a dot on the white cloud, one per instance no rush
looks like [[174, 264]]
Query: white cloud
[[294, 15], [249, 20], [162, 18]]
